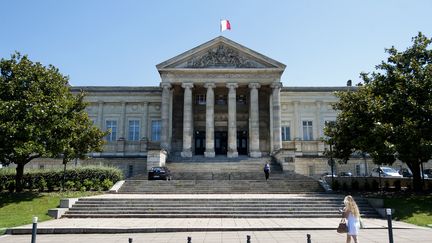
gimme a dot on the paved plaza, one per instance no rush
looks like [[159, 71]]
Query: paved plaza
[[291, 236]]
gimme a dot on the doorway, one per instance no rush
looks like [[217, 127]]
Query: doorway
[[221, 142], [242, 142], [199, 142]]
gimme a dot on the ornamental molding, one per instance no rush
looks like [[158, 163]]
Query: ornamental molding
[[222, 57], [220, 53]]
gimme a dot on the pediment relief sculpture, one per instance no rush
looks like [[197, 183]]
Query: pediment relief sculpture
[[222, 57]]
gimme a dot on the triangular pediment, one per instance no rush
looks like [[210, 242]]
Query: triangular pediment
[[220, 53]]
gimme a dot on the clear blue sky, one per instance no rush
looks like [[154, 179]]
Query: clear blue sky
[[323, 43]]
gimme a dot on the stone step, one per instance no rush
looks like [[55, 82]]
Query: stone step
[[303, 206], [229, 215]]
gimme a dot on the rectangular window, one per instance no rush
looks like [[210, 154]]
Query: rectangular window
[[156, 130], [200, 99], [134, 128], [112, 126], [286, 133], [358, 170], [307, 130]]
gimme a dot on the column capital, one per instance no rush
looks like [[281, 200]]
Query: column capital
[[232, 85], [276, 85], [165, 85], [100, 102], [254, 85], [145, 102], [187, 85], [209, 85]]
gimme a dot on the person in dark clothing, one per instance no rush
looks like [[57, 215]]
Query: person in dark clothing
[[267, 170]]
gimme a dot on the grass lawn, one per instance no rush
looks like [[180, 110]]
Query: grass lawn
[[411, 209], [20, 208]]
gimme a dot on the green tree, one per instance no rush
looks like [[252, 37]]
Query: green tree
[[389, 117], [39, 116]]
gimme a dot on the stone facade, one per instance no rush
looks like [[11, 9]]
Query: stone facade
[[218, 99]]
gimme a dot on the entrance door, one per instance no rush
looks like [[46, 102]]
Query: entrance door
[[199, 142], [221, 142], [242, 142]]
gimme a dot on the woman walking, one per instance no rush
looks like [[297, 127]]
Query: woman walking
[[352, 215]]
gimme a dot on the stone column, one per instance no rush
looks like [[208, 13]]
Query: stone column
[[232, 121], [276, 106], [122, 125], [144, 124], [318, 133], [165, 115], [297, 130], [100, 116], [319, 128], [254, 150], [296, 124], [187, 120], [210, 146]]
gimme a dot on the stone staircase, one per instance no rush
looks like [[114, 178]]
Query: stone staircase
[[220, 186], [312, 206], [242, 175]]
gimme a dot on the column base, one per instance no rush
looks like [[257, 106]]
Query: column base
[[255, 154], [186, 154], [232, 154], [209, 154]]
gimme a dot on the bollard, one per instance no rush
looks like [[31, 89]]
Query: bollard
[[389, 224], [308, 238], [248, 239], [189, 239], [34, 230], [130, 240]]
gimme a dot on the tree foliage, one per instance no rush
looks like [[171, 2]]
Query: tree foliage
[[389, 117], [39, 116]]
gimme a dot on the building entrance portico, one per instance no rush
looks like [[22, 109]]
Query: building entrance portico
[[220, 98]]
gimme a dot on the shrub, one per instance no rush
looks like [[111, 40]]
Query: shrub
[[54, 177], [429, 185], [366, 186], [107, 184], [345, 186], [97, 185], [78, 185], [336, 185], [355, 185], [88, 184], [41, 184], [386, 186], [11, 186], [69, 185], [375, 185]]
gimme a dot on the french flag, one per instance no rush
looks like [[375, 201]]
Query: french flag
[[225, 25]]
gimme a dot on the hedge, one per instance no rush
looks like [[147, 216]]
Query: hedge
[[77, 178]]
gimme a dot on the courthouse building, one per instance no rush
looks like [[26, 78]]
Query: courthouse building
[[218, 99]]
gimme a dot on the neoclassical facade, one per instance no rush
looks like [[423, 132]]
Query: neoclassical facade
[[217, 99]]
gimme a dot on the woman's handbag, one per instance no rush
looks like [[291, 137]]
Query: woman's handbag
[[342, 228]]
